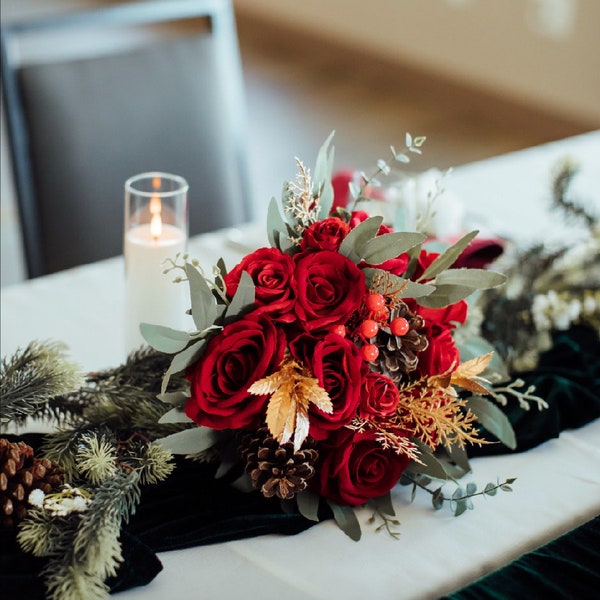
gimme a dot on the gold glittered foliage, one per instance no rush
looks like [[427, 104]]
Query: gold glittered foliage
[[292, 389], [435, 415]]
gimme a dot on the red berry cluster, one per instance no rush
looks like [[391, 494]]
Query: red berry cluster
[[376, 316]]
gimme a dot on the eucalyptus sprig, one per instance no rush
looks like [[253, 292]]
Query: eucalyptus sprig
[[412, 145], [460, 500]]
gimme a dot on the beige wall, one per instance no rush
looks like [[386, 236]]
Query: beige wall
[[545, 53]]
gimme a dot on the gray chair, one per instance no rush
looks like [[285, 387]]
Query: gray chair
[[164, 93]]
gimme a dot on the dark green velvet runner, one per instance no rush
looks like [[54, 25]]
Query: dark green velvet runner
[[567, 568], [191, 508]]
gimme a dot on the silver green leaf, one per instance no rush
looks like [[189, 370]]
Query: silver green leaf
[[322, 176], [446, 294], [346, 520], [175, 398], [175, 415], [460, 458], [390, 245], [204, 305], [355, 242], [384, 504], [447, 259], [429, 464], [243, 299], [308, 505], [493, 419], [275, 224], [181, 361], [190, 441], [479, 279], [164, 339]]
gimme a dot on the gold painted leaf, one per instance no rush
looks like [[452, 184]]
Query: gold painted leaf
[[293, 389], [471, 384], [281, 414], [474, 366]]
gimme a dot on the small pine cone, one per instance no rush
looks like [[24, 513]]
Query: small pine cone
[[276, 469], [398, 354], [20, 473]]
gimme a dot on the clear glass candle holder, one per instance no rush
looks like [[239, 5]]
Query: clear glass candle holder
[[156, 230]]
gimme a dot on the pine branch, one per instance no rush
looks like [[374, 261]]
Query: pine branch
[[565, 172], [83, 548], [30, 378]]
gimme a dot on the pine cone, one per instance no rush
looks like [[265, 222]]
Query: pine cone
[[275, 469], [20, 473], [398, 354]]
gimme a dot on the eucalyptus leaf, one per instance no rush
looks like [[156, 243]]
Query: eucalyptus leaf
[[176, 398], [164, 339], [190, 441], [308, 505], [204, 306], [222, 267], [471, 487], [490, 489], [479, 279], [461, 507], [181, 361], [390, 245], [355, 242], [446, 294], [175, 415], [431, 466], [243, 299], [460, 457], [275, 224], [447, 259], [493, 419], [437, 499], [322, 176], [346, 519], [384, 504], [322, 171]]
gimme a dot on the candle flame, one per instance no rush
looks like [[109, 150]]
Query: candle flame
[[156, 183], [156, 226], [156, 221]]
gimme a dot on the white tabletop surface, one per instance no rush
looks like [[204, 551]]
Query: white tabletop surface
[[558, 483]]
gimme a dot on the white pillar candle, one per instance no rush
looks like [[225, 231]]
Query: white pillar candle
[[155, 230], [152, 297]]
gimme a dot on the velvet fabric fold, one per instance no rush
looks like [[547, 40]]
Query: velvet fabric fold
[[568, 567]]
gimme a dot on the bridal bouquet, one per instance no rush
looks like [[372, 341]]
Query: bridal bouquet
[[326, 362]]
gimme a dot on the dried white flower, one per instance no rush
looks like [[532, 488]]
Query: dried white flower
[[36, 498]]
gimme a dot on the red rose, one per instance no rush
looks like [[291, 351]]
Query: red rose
[[354, 467], [327, 234], [446, 317], [379, 397], [358, 216], [335, 361], [245, 351], [395, 266], [330, 288], [425, 259], [273, 274], [441, 356]]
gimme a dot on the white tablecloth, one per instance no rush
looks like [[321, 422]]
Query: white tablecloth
[[558, 483]]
